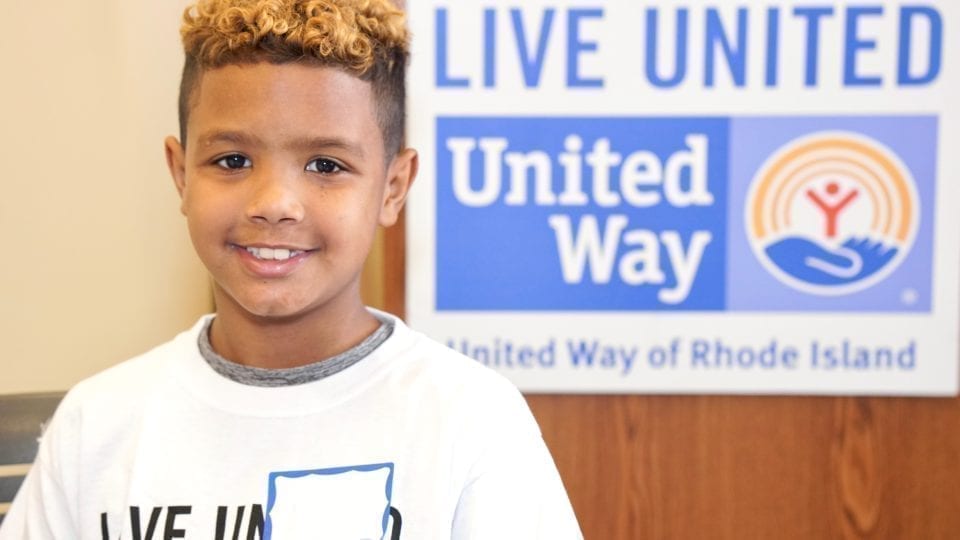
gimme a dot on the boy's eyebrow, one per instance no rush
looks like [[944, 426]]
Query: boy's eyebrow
[[235, 137], [309, 143], [300, 143]]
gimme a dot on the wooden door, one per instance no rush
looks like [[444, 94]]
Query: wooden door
[[757, 467]]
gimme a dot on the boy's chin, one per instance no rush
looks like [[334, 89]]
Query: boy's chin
[[264, 309], [278, 304], [275, 312]]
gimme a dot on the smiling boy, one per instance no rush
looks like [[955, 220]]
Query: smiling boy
[[294, 411], [283, 185]]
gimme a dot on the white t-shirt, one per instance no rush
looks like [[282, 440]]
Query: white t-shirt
[[415, 442]]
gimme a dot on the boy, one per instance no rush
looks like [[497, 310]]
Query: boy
[[294, 411]]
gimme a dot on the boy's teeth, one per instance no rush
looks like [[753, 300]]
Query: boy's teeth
[[278, 254]]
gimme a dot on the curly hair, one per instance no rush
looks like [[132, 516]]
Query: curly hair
[[368, 38]]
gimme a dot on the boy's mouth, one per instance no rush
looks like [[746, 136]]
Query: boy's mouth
[[273, 254]]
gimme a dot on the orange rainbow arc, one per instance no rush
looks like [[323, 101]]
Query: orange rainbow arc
[[868, 187], [829, 144]]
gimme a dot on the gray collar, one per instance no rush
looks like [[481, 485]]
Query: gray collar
[[314, 371]]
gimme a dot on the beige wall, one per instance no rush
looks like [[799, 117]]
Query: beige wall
[[97, 265]]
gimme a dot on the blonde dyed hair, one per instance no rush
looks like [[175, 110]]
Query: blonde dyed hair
[[367, 38]]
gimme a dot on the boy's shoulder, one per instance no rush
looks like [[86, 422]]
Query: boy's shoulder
[[147, 365], [127, 383], [442, 362], [477, 394]]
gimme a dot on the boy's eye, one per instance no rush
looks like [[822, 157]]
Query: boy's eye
[[234, 161], [324, 166]]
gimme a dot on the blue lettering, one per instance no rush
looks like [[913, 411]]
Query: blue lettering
[[680, 51], [726, 46], [443, 79], [736, 57], [855, 44], [490, 51], [532, 67], [907, 14], [575, 47], [813, 16], [582, 352], [698, 353], [773, 38]]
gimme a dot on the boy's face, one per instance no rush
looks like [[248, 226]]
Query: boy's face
[[283, 182]]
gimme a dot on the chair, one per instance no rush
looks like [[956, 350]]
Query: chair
[[21, 422]]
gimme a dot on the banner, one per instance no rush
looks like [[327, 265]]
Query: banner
[[648, 197]]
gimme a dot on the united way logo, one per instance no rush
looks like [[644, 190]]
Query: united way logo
[[832, 213]]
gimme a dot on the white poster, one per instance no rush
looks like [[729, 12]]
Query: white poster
[[652, 197]]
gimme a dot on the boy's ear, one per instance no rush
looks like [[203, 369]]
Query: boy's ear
[[176, 162], [400, 175]]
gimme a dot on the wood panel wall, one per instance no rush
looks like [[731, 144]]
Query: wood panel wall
[[740, 467], [757, 467]]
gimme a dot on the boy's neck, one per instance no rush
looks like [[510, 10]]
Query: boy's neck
[[290, 342]]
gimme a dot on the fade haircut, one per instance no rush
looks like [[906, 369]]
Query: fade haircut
[[367, 38]]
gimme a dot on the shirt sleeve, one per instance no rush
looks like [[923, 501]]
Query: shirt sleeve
[[40, 510], [514, 490]]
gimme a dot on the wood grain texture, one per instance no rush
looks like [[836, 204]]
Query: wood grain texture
[[395, 261], [757, 467], [382, 283]]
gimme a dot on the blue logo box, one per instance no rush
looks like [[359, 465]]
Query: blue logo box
[[638, 213]]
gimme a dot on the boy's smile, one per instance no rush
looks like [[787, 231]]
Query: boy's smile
[[283, 182]]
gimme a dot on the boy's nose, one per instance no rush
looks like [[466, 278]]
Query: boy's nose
[[275, 199]]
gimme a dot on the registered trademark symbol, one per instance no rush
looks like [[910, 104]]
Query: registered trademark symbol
[[909, 296]]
